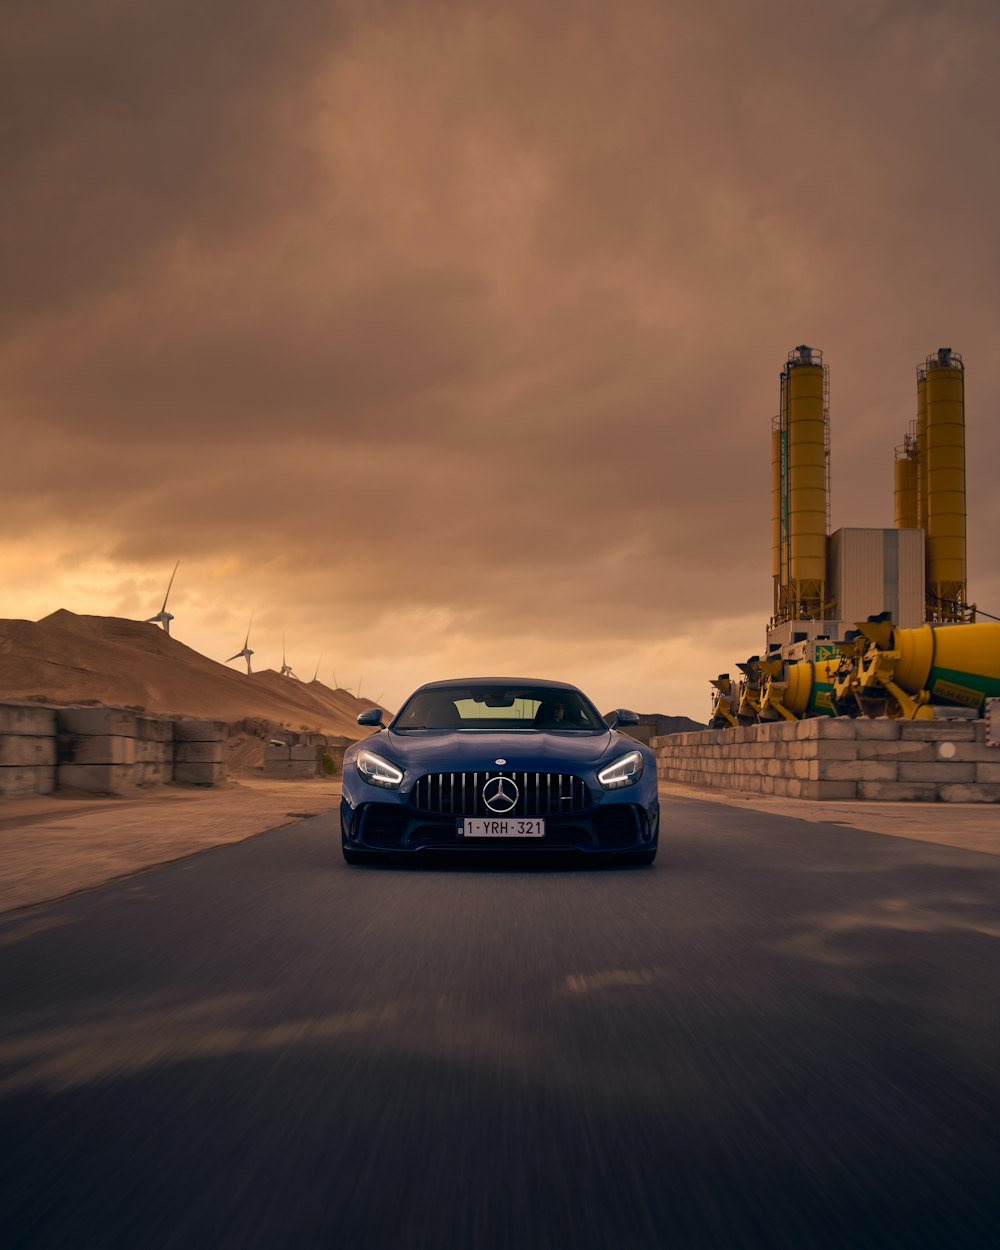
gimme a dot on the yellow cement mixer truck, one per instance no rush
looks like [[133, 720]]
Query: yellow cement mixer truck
[[915, 670]]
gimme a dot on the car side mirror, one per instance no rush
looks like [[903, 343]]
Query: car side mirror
[[372, 717], [624, 717]]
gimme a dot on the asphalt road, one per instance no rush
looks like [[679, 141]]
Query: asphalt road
[[782, 1035]]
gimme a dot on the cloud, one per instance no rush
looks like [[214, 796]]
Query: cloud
[[475, 315]]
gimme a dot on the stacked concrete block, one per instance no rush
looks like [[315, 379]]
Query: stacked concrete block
[[104, 750], [993, 722], [27, 750], [295, 755], [199, 752], [154, 751], [336, 745], [97, 749], [291, 755], [842, 758]]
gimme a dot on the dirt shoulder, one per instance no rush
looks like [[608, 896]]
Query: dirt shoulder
[[57, 845]]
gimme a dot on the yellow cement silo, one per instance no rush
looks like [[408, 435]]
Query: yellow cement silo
[[922, 449], [945, 475], [776, 497], [806, 425], [905, 477]]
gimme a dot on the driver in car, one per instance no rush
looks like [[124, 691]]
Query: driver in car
[[551, 716]]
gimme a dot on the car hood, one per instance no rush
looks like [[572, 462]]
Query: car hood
[[474, 751]]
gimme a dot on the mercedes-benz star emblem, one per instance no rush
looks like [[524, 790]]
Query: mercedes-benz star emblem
[[500, 795], [500, 762]]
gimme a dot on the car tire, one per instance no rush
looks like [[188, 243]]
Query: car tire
[[642, 858], [352, 856]]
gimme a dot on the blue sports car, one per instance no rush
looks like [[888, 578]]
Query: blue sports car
[[499, 763]]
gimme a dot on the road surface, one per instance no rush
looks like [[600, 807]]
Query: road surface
[[782, 1035]]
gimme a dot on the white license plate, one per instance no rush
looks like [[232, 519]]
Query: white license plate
[[501, 827]]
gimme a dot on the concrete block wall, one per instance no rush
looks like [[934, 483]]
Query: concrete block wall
[[104, 750], [199, 752], [107, 750], [290, 755], [842, 758], [27, 750]]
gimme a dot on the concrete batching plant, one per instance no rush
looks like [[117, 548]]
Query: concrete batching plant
[[867, 621]]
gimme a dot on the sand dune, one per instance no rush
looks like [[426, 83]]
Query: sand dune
[[65, 658]]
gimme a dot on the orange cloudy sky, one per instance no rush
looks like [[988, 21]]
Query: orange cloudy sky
[[446, 336]]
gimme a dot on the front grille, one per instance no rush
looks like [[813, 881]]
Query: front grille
[[538, 794]]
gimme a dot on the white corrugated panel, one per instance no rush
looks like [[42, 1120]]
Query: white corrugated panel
[[878, 570], [856, 573], [912, 593]]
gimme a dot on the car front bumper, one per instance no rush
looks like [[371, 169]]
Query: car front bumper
[[396, 827]]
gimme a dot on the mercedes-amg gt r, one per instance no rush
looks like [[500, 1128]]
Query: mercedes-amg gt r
[[499, 764]]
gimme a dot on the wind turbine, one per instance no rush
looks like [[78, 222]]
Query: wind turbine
[[316, 674], [245, 649], [286, 669], [163, 616]]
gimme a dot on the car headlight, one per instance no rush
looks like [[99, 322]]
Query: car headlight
[[625, 771], [377, 771]]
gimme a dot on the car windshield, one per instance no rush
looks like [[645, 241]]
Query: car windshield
[[546, 709]]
